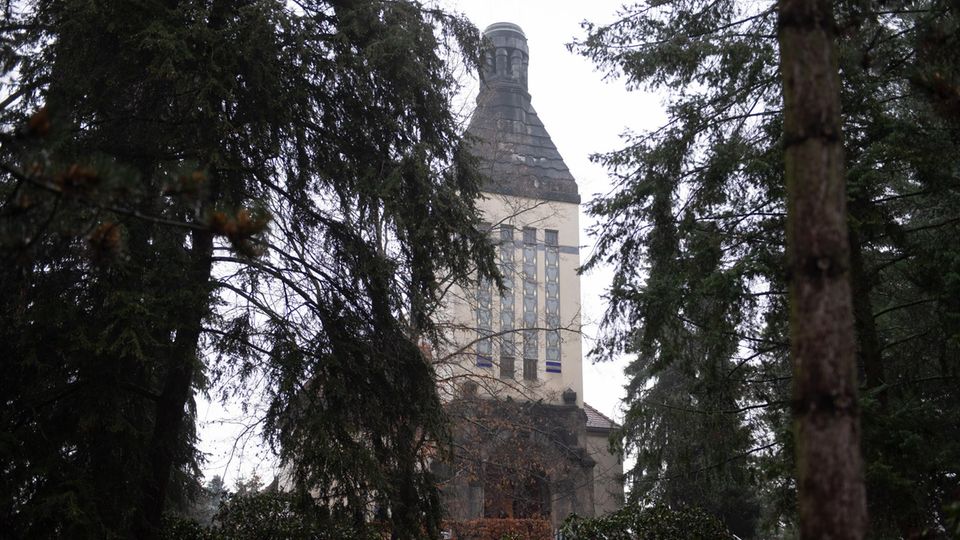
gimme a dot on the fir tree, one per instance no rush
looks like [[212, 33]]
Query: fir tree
[[715, 171], [243, 193]]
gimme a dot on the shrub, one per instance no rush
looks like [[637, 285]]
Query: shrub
[[647, 522], [501, 529]]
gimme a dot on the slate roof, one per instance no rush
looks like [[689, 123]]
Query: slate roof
[[596, 420], [515, 151]]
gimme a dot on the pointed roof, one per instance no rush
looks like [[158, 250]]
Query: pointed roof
[[515, 151]]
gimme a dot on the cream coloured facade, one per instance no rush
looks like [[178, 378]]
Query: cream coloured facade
[[502, 365]]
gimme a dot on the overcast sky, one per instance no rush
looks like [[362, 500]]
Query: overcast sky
[[583, 114]]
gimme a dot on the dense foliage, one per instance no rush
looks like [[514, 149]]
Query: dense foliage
[[257, 197], [500, 529], [647, 522], [263, 515], [698, 296]]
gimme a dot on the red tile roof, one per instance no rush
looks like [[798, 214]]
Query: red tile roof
[[597, 420]]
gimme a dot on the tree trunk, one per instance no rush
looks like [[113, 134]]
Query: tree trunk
[[823, 344], [869, 355], [171, 405]]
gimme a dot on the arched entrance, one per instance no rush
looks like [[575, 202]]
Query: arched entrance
[[508, 493]]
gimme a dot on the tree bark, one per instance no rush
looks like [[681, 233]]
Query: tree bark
[[171, 405], [823, 344], [869, 355]]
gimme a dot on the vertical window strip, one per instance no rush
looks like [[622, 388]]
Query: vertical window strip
[[530, 334], [484, 321], [484, 316], [507, 308], [552, 300]]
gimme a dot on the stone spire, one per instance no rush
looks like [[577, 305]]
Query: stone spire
[[515, 151]]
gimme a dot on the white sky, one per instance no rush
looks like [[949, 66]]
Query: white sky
[[583, 115]]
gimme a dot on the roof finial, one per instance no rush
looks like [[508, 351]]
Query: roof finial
[[506, 58]]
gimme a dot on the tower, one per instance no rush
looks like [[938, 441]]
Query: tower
[[531, 200], [528, 445]]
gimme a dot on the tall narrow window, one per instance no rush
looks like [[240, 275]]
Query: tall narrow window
[[530, 334], [484, 321], [552, 300], [507, 309]]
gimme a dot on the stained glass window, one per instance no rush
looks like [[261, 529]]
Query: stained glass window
[[507, 307], [552, 300], [484, 322], [530, 333]]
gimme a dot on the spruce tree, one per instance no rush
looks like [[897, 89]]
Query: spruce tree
[[252, 194], [715, 170]]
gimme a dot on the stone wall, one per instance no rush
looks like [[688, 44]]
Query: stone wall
[[512, 459]]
